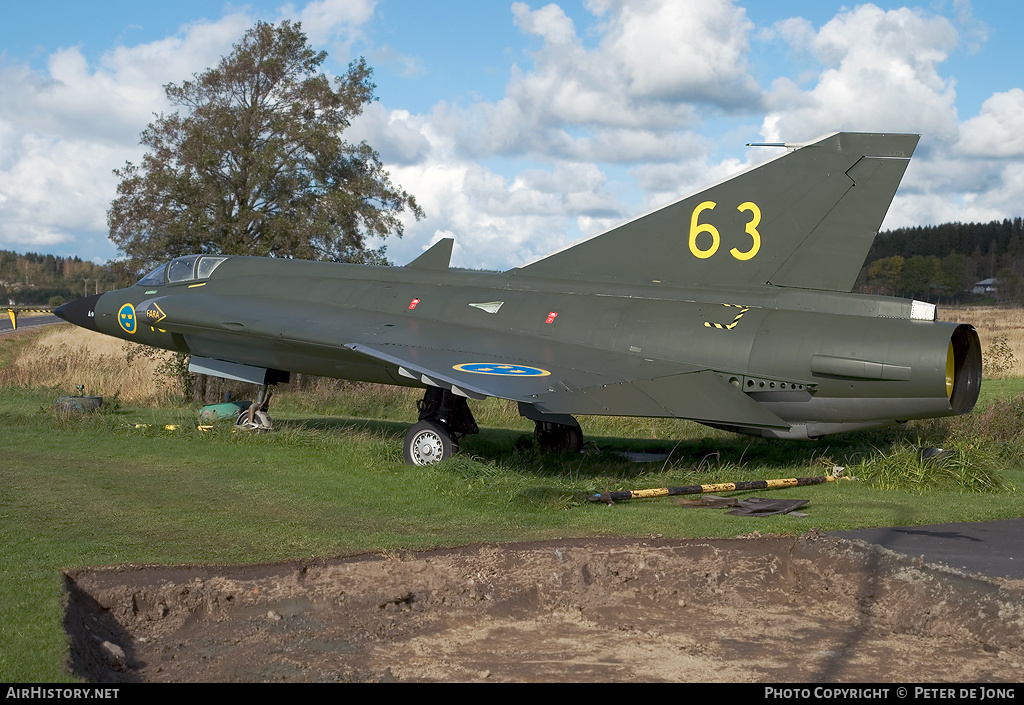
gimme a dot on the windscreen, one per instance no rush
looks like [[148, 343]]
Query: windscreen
[[154, 278]]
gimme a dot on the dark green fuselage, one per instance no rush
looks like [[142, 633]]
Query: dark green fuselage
[[820, 361]]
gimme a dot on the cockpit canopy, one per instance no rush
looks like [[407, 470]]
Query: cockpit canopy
[[183, 269]]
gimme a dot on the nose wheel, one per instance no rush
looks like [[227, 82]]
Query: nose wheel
[[256, 418], [255, 421]]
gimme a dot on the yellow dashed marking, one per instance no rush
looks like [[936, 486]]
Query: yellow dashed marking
[[729, 326]]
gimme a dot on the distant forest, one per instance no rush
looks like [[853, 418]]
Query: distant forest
[[41, 279], [942, 263], [939, 263]]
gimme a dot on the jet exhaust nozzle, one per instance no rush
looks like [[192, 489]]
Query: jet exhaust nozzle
[[963, 369]]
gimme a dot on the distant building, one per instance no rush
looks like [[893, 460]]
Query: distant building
[[986, 286]]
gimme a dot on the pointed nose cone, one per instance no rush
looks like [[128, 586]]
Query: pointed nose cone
[[81, 312]]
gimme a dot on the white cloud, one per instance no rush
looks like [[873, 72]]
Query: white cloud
[[549, 22], [880, 73], [635, 94], [798, 32], [324, 21], [692, 51], [50, 188], [997, 130], [64, 131], [499, 222], [405, 66], [975, 30], [665, 183], [398, 136], [657, 67]]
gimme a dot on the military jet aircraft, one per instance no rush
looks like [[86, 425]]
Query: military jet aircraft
[[730, 307]]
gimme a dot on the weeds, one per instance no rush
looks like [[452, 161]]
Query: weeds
[[62, 357], [976, 450], [999, 358], [968, 467], [170, 369]]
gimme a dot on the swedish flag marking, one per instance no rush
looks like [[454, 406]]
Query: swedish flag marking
[[729, 326], [126, 317], [488, 368]]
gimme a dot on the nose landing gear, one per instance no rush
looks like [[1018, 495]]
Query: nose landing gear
[[256, 418]]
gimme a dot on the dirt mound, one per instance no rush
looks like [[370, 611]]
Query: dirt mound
[[772, 609]]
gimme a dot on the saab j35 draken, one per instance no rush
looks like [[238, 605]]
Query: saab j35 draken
[[730, 307]]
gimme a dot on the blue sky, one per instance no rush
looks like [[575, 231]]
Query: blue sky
[[523, 126]]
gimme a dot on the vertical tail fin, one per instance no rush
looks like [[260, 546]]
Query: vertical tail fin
[[803, 219]]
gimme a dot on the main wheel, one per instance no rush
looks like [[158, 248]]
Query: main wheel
[[428, 442], [557, 437]]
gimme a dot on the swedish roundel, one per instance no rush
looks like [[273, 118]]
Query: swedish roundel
[[126, 317], [489, 368]]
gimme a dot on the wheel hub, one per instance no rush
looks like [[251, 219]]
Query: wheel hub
[[426, 448]]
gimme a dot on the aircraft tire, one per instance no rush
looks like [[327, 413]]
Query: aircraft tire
[[556, 437], [428, 442], [260, 421]]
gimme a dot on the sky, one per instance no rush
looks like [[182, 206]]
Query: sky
[[521, 127]]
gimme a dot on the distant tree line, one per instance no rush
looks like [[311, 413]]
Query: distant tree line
[[34, 278], [941, 263]]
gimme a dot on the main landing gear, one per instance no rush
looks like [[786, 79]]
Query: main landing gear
[[256, 418], [445, 418], [556, 433], [558, 437]]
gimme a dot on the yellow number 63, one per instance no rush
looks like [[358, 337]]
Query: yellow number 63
[[716, 239]]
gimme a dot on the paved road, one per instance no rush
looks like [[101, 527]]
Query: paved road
[[26, 322], [993, 548]]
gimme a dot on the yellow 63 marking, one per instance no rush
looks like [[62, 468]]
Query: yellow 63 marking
[[697, 228]]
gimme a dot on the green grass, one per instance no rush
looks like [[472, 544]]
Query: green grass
[[993, 389], [98, 489]]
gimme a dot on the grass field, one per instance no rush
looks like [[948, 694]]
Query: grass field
[[116, 487]]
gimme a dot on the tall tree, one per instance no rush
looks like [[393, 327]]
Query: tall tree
[[884, 274], [917, 276], [952, 272], [254, 163], [1009, 286]]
